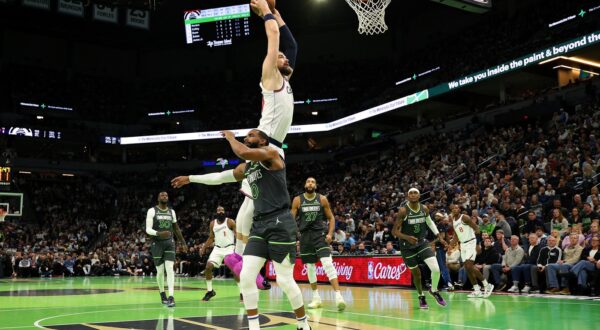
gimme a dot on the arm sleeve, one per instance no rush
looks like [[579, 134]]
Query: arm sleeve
[[174, 216], [149, 220], [288, 45], [431, 225], [213, 179]]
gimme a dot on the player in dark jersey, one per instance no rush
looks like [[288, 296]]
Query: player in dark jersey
[[273, 233], [411, 228], [312, 209], [161, 223]]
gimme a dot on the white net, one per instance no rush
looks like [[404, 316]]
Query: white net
[[371, 15]]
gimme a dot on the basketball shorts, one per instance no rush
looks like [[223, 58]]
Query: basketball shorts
[[273, 237], [414, 255], [243, 219], [313, 246], [162, 250], [468, 250], [219, 253]]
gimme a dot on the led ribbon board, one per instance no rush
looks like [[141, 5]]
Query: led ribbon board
[[521, 62]]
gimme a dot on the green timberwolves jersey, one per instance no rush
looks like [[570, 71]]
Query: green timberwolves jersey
[[163, 220], [414, 224], [269, 188], [312, 216]]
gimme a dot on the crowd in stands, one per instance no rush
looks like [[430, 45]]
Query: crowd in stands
[[531, 187]]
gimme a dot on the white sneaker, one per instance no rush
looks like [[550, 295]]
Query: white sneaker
[[514, 289], [526, 289], [341, 304], [488, 290], [475, 294], [316, 303]]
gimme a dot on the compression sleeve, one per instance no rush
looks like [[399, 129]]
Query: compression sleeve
[[213, 179], [149, 221], [431, 225], [288, 45]]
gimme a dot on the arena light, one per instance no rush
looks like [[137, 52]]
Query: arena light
[[68, 174], [44, 106], [573, 59], [24, 172], [574, 69]]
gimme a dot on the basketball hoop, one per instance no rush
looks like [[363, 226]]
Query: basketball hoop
[[371, 15]]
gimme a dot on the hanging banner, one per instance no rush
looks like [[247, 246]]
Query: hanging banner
[[40, 4], [138, 18], [71, 7], [106, 13]]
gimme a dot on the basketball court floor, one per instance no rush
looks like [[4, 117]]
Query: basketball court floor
[[134, 303]]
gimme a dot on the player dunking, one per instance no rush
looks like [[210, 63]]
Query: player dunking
[[465, 230], [312, 209], [411, 228], [277, 101], [222, 235], [276, 116], [161, 222]]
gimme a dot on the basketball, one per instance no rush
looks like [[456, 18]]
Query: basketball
[[271, 5]]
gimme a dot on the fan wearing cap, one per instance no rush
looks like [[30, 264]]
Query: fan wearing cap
[[411, 228]]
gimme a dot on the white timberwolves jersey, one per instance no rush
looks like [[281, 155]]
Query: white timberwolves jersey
[[277, 111], [464, 232], [223, 235]]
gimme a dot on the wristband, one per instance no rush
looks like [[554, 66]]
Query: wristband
[[268, 17]]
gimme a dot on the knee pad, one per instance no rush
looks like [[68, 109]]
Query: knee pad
[[311, 271], [329, 268]]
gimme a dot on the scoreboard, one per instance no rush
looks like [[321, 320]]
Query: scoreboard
[[215, 27]]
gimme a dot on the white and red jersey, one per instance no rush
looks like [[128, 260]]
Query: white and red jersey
[[464, 232], [275, 119], [277, 111], [224, 236]]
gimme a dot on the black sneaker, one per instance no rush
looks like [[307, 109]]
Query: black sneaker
[[423, 303], [163, 298], [266, 285], [208, 295], [171, 302]]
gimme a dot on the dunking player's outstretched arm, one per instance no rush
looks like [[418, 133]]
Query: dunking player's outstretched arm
[[271, 77], [287, 43], [330, 218]]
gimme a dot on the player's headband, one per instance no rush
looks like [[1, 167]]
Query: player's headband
[[415, 190]]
